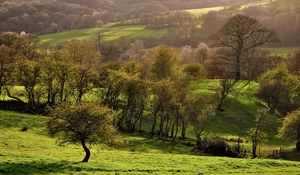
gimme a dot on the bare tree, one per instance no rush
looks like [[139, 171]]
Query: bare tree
[[242, 35]]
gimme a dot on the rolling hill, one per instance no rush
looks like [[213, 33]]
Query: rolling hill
[[32, 151]]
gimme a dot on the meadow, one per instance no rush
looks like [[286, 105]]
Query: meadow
[[240, 110], [108, 34], [33, 152]]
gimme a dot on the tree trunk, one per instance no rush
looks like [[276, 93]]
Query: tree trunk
[[183, 130], [298, 145], [176, 131], [199, 142], [154, 124], [238, 68], [254, 151], [161, 126], [87, 152], [220, 104]]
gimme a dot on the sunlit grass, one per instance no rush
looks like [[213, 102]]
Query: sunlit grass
[[202, 11], [33, 152], [108, 34], [283, 51]]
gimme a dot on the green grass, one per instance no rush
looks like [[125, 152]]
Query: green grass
[[33, 152], [283, 51], [240, 109], [202, 11], [257, 3], [108, 34]]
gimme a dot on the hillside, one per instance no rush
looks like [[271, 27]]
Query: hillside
[[33, 152], [58, 15], [240, 110], [108, 34], [130, 31]]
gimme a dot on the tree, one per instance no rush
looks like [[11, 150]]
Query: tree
[[5, 62], [49, 79], [186, 54], [164, 60], [202, 53], [290, 128], [64, 73], [199, 113], [134, 91], [82, 52], [294, 63], [226, 86], [81, 124], [83, 79], [278, 88], [242, 35], [256, 134], [28, 74], [21, 46], [194, 72]]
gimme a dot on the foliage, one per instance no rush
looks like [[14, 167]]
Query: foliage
[[194, 72], [33, 152], [278, 88], [164, 60], [290, 128], [198, 112], [257, 134], [83, 123]]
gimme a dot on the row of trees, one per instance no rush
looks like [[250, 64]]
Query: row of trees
[[167, 19], [154, 89], [72, 70]]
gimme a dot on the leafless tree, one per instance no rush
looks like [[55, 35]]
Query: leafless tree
[[241, 35]]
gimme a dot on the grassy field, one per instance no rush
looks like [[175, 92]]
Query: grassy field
[[283, 51], [240, 110], [258, 3], [108, 34], [33, 152], [203, 11]]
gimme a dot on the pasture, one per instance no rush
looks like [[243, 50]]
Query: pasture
[[33, 152]]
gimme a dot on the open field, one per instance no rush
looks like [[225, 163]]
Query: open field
[[33, 152], [108, 34], [203, 11], [283, 51], [258, 3]]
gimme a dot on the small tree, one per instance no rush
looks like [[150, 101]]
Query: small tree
[[290, 128], [278, 88], [198, 113], [194, 72], [81, 124], [256, 134], [83, 80], [27, 74], [164, 62], [226, 86]]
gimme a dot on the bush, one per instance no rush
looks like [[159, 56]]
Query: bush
[[216, 146]]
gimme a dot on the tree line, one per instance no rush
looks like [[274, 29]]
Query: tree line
[[154, 88]]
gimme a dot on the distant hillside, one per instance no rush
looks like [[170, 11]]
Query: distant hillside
[[58, 15]]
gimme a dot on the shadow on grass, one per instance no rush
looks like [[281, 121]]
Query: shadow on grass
[[143, 143], [36, 167], [17, 106], [41, 168]]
